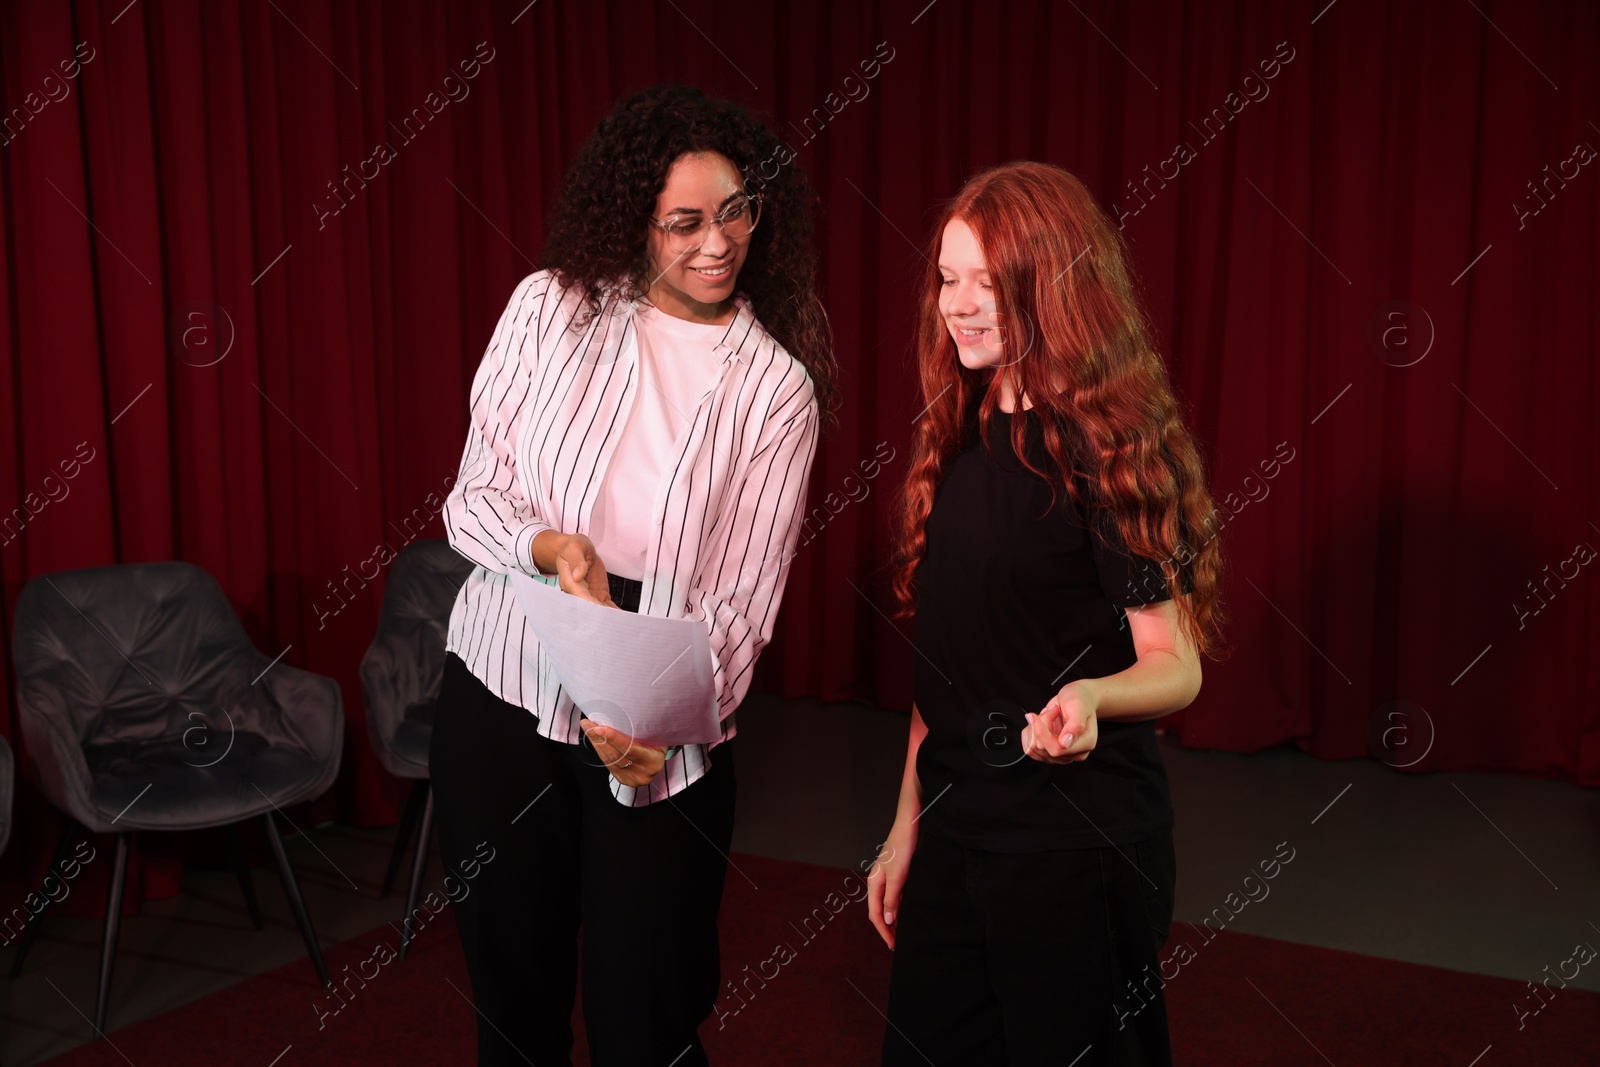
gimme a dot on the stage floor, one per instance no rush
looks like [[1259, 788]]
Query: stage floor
[[1481, 873]]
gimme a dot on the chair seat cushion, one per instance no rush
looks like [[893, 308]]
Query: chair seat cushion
[[164, 784]]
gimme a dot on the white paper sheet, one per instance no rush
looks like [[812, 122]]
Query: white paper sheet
[[647, 676]]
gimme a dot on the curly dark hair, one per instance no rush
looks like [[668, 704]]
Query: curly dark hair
[[599, 235]]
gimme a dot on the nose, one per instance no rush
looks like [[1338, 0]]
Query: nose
[[716, 244], [963, 301]]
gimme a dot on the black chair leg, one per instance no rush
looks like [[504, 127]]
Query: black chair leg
[[291, 889], [241, 867], [402, 836], [108, 946], [418, 865], [30, 933]]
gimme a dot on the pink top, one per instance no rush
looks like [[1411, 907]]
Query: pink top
[[678, 367]]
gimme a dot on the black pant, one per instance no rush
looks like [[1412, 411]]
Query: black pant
[[1027, 959], [644, 884]]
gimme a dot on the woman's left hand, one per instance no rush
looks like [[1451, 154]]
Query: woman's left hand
[[1067, 730], [630, 762]]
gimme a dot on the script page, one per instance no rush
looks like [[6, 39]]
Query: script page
[[647, 676]]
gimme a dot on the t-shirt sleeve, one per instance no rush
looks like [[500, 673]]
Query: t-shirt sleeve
[[1129, 580]]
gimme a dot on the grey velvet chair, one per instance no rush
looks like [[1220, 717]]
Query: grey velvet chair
[[400, 677], [145, 707]]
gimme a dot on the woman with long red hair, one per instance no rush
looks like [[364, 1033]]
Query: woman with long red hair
[[1056, 548]]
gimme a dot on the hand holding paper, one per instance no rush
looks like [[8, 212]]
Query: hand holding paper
[[645, 676], [630, 762], [579, 566]]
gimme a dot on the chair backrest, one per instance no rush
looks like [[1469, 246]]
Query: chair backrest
[[410, 640], [422, 589], [403, 667], [132, 649]]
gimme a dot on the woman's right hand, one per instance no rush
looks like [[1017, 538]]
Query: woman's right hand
[[887, 879], [580, 571]]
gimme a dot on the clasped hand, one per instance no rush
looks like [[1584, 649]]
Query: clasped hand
[[1067, 730], [630, 762]]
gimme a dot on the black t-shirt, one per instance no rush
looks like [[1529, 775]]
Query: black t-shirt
[[1013, 603]]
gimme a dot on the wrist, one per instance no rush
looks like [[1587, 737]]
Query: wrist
[[545, 547]]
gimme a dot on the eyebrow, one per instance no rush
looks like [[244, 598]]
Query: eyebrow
[[699, 211], [951, 270]]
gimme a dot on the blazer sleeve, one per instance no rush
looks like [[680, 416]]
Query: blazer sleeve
[[488, 518], [740, 589]]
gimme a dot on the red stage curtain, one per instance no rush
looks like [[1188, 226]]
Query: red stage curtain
[[252, 253]]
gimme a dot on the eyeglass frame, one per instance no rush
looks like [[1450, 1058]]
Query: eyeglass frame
[[717, 220]]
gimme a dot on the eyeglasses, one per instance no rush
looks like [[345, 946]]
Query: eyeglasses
[[688, 232]]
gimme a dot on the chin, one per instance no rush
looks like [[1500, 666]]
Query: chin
[[977, 359], [708, 292], [715, 294]]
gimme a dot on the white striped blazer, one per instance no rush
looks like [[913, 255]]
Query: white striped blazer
[[547, 409]]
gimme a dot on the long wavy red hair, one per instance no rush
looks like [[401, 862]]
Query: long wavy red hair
[[1078, 343]]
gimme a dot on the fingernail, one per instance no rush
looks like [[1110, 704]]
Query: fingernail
[[1030, 716], [1066, 739], [888, 918]]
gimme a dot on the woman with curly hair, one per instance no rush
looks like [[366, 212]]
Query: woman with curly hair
[[1048, 548], [642, 429]]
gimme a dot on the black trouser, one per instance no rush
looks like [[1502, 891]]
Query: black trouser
[[1026, 959], [644, 883]]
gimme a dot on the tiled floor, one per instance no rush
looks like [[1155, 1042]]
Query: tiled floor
[[1479, 873]]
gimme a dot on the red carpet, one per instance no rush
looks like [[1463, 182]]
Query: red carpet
[[815, 1010]]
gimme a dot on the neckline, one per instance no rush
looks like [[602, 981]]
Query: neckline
[[658, 319]]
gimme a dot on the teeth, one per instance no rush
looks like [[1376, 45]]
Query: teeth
[[711, 273]]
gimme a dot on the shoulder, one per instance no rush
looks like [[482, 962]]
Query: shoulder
[[781, 377], [531, 299], [782, 402], [546, 294], [537, 287], [791, 398]]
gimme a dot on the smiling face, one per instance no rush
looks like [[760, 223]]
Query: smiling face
[[697, 284], [966, 297]]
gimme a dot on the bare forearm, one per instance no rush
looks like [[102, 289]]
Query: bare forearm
[[910, 805], [1158, 684]]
